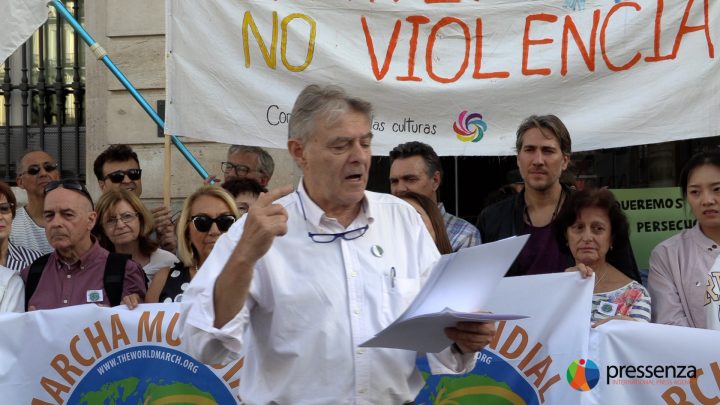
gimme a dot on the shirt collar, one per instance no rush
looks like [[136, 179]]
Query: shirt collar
[[315, 215], [441, 207], [701, 240], [92, 252]]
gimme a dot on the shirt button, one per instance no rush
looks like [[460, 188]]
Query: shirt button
[[362, 390], [353, 274], [64, 301], [69, 276], [360, 351], [82, 267], [356, 312]]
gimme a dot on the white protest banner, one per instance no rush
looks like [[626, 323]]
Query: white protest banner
[[20, 19], [528, 360], [654, 364], [87, 355], [457, 74]]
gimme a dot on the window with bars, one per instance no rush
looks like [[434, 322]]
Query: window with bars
[[42, 103]]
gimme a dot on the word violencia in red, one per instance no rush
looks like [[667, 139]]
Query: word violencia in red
[[587, 48]]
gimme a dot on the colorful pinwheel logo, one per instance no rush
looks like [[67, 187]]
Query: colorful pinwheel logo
[[470, 127]]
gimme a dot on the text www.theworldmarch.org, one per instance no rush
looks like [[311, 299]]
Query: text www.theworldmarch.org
[[146, 354]]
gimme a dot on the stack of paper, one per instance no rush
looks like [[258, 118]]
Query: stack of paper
[[457, 290]]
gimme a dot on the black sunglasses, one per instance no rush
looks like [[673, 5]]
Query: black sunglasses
[[69, 185], [35, 169], [203, 223], [119, 175]]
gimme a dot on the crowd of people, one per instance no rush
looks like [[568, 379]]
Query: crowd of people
[[310, 272]]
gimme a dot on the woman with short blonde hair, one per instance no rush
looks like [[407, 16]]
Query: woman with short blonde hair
[[207, 213]]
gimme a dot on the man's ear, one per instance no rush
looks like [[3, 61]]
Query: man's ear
[[92, 217], [297, 151], [435, 180], [566, 161], [19, 181], [101, 184]]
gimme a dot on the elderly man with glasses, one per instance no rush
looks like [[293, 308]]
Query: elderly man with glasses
[[118, 167], [35, 170], [79, 270], [246, 162], [298, 284]]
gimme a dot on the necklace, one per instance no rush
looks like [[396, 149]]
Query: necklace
[[599, 279], [557, 208]]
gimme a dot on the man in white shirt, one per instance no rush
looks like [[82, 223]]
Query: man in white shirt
[[347, 264]]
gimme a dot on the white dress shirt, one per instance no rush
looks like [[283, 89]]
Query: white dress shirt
[[311, 304], [158, 259], [12, 291]]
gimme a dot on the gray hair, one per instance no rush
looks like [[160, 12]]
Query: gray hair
[[315, 101], [266, 164]]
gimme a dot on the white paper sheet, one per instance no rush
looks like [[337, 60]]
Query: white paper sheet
[[458, 288]]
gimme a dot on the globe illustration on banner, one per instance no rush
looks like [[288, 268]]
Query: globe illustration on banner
[[498, 383], [150, 375], [583, 375]]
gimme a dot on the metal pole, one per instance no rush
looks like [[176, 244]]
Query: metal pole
[[457, 188], [102, 56]]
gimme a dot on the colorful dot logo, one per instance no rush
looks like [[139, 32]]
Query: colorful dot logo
[[470, 127], [583, 375]]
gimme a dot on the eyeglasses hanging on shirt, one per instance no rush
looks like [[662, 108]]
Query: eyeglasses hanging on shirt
[[332, 237]]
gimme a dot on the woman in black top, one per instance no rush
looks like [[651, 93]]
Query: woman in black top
[[207, 213]]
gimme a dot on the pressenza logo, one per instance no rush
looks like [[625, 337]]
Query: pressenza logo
[[583, 374]]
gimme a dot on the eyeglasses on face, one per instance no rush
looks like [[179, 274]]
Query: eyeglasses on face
[[70, 185], [119, 175], [6, 208], [203, 222], [35, 169], [125, 217], [240, 170]]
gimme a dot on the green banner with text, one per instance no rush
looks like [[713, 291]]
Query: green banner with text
[[655, 214]]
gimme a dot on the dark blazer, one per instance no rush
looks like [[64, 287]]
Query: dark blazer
[[505, 218]]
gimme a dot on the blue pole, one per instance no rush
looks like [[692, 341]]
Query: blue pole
[[102, 55]]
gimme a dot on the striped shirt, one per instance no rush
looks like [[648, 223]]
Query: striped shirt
[[26, 233], [631, 300], [20, 257], [461, 233]]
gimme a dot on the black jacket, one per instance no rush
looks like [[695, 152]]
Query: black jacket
[[506, 218]]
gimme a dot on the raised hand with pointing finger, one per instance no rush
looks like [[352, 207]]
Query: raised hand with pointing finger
[[265, 220]]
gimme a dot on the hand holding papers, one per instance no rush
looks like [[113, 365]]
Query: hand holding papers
[[458, 287]]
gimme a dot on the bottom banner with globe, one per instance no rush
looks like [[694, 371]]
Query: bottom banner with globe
[[151, 375]]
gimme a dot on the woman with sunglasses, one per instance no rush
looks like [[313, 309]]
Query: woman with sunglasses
[[124, 226], [207, 213], [11, 256]]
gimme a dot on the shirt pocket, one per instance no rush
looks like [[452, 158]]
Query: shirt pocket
[[398, 294]]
